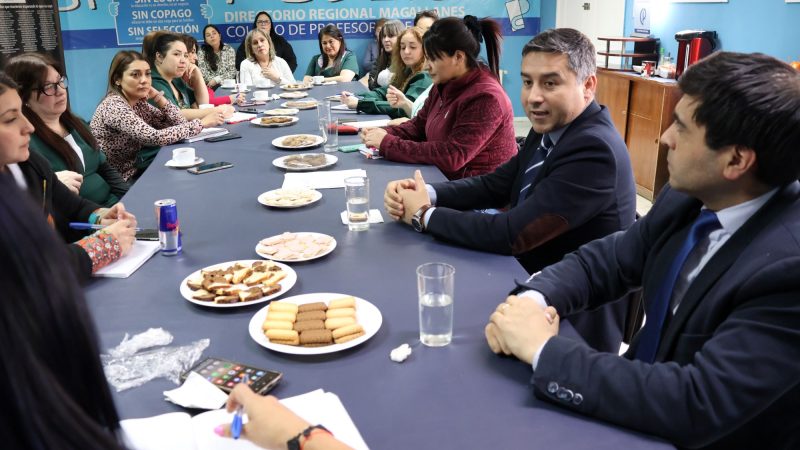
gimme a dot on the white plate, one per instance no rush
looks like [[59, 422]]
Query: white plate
[[367, 314], [303, 233], [309, 106], [286, 284], [268, 198], [317, 141], [282, 112], [293, 94], [329, 161], [173, 164], [295, 87], [257, 121], [328, 83]]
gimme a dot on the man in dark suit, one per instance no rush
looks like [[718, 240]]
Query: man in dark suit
[[717, 363], [571, 183]]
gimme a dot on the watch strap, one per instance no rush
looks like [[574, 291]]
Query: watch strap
[[294, 443]]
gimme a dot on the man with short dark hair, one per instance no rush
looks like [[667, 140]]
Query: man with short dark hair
[[570, 184], [717, 363]]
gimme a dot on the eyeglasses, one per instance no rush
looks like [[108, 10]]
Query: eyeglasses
[[51, 88], [263, 22]]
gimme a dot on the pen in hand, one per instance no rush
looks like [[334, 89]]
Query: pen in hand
[[236, 425], [89, 226]]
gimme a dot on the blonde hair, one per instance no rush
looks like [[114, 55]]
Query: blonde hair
[[402, 74], [248, 43]]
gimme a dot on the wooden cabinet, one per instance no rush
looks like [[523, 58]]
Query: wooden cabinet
[[641, 109]]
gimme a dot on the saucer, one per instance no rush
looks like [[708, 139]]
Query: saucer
[[173, 164]]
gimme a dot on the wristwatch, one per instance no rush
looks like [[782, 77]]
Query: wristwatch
[[294, 443], [417, 219]]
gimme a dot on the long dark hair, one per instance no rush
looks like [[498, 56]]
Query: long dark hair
[[451, 34], [54, 392], [161, 45], [209, 53], [119, 65], [272, 34], [334, 32], [29, 70]]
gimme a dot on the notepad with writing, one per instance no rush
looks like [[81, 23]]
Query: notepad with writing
[[180, 431], [125, 266]]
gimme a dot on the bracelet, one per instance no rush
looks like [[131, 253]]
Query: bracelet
[[294, 443], [94, 217]]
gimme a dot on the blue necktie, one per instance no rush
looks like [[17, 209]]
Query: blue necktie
[[656, 311], [533, 168]]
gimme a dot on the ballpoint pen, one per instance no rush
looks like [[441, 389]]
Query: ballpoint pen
[[236, 425], [89, 226]]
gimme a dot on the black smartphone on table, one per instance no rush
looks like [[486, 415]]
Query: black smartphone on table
[[147, 234], [224, 137], [210, 167], [226, 375]]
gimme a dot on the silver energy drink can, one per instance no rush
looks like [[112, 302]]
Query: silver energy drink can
[[169, 229]]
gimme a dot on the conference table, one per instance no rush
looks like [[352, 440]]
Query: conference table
[[453, 397]]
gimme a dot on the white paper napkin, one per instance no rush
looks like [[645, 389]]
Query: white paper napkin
[[374, 216], [327, 179], [197, 392]]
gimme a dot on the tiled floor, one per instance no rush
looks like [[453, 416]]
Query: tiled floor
[[522, 126]]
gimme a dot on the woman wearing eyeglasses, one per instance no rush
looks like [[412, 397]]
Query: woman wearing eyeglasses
[[283, 48], [334, 61], [60, 136]]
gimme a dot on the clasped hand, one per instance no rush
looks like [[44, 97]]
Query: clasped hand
[[403, 198], [520, 327]]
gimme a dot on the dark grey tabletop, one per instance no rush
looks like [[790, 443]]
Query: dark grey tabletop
[[459, 396]]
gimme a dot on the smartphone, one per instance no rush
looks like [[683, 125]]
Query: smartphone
[[224, 137], [249, 110], [147, 234], [226, 374], [210, 167]]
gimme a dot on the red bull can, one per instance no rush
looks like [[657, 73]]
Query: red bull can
[[169, 229]]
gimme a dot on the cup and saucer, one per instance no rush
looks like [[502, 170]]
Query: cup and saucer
[[183, 158], [228, 83]]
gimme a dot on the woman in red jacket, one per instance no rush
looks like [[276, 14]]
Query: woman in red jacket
[[466, 127]]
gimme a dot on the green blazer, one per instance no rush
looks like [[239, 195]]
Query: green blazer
[[349, 62], [374, 101], [160, 84], [102, 184]]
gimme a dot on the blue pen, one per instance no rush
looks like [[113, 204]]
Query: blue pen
[[236, 425], [89, 226]]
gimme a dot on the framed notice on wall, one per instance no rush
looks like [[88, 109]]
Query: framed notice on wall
[[30, 26]]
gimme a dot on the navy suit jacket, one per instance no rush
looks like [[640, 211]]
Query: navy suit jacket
[[727, 370], [583, 191]]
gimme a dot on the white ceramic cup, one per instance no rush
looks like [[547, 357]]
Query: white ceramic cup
[[183, 155], [205, 106], [242, 87], [263, 83], [228, 83], [261, 95], [318, 79]]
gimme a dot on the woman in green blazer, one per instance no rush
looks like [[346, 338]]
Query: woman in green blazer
[[408, 60], [62, 137]]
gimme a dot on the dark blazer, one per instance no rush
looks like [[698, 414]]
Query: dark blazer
[[727, 371], [60, 206], [583, 191]]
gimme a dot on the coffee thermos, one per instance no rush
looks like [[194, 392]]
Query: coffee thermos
[[693, 45]]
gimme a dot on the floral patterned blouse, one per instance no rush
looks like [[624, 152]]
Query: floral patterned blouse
[[122, 130], [102, 247], [226, 65]]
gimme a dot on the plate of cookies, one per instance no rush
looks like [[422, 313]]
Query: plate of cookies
[[298, 141], [315, 324], [301, 104], [274, 121], [305, 161], [238, 283], [295, 87], [282, 112], [293, 94], [289, 198], [295, 247]]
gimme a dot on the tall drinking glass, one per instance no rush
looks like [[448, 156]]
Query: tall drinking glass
[[435, 286], [356, 191]]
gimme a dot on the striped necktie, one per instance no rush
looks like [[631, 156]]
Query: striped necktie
[[657, 310], [533, 168]]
